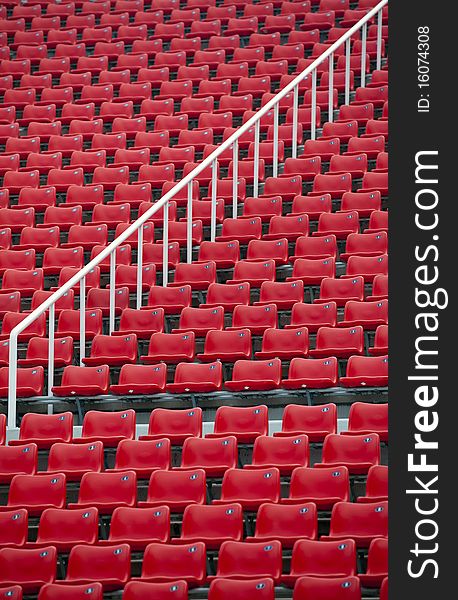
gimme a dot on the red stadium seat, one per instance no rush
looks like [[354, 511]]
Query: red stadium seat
[[250, 487], [176, 590], [367, 418], [106, 491], [214, 456], [377, 564], [281, 293], [259, 375], [332, 588], [59, 591], [212, 525], [222, 589], [142, 456], [63, 528], [340, 291], [109, 566], [185, 423], [36, 494], [376, 485], [253, 272], [227, 295], [30, 382], [360, 522], [287, 524], [109, 428], [29, 568], [316, 422], [323, 487], [238, 560], [75, 460], [68, 323], [175, 489], [339, 342], [357, 452], [83, 381], [245, 423], [15, 460], [284, 344], [321, 560], [27, 281], [140, 379], [255, 318], [142, 323], [192, 378], [44, 430], [227, 346], [284, 453], [138, 527], [13, 533], [311, 373]]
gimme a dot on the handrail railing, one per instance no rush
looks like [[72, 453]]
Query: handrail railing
[[163, 202]]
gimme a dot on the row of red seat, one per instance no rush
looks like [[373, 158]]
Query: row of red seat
[[164, 563], [191, 378], [306, 588], [246, 424]]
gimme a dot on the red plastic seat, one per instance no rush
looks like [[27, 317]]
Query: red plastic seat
[[365, 418], [258, 375], [83, 381], [223, 589], [266, 250], [15, 460], [369, 314], [35, 494], [17, 259], [284, 453], [255, 318], [214, 456], [175, 489], [250, 487], [109, 428], [16, 180], [112, 350], [200, 320], [109, 566], [138, 527], [142, 323], [29, 568], [44, 430], [14, 532], [332, 588], [367, 266], [227, 295], [324, 487], [339, 224], [62, 216], [140, 379], [243, 230], [185, 423], [366, 371], [321, 560], [376, 485], [378, 221], [55, 259], [68, 323], [281, 293], [380, 347], [341, 291], [212, 525], [339, 342], [59, 591], [316, 422], [286, 524], [75, 460], [366, 245], [360, 522], [198, 275], [175, 590], [244, 423], [107, 491], [167, 563], [63, 528], [171, 348], [142, 456], [200, 378], [357, 452], [223, 254], [311, 373], [227, 346], [377, 564], [355, 164], [315, 247], [238, 560], [16, 220], [39, 239], [284, 344], [30, 382]]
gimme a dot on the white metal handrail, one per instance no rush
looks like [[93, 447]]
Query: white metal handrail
[[163, 202]]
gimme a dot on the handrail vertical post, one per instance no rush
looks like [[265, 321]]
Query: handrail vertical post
[[256, 159], [82, 320], [51, 326], [189, 225], [12, 381], [379, 39], [295, 120], [331, 89], [165, 246], [363, 54], [235, 178], [313, 112], [112, 290], [275, 144], [347, 71], [213, 206], [139, 266]]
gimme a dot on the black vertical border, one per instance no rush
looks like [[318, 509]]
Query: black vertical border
[[411, 132]]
